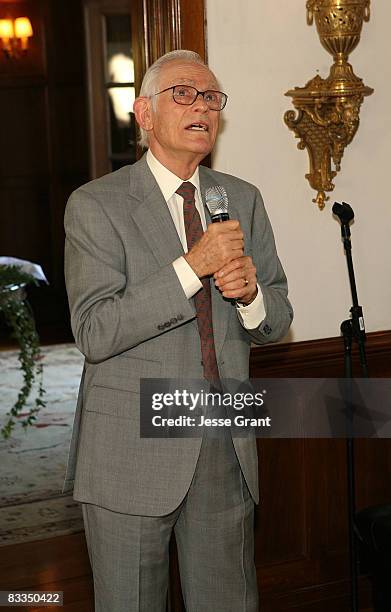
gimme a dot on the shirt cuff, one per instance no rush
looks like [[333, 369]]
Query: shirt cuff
[[187, 277], [252, 315]]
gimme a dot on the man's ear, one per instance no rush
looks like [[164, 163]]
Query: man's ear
[[143, 112]]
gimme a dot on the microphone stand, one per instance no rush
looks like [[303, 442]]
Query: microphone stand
[[351, 329]]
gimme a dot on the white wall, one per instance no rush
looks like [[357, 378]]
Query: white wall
[[259, 49]]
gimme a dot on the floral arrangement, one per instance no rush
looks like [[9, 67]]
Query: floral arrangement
[[17, 313]]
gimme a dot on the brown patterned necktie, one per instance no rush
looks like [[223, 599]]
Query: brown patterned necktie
[[202, 299]]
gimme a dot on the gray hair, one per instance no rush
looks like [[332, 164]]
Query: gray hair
[[150, 84]]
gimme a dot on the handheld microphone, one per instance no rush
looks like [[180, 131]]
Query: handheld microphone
[[217, 203], [343, 211]]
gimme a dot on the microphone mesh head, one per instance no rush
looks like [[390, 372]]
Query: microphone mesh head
[[216, 200]]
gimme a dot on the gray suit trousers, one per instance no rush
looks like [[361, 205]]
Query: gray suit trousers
[[215, 538]]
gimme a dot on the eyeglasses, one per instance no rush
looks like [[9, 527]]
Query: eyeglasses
[[187, 95]]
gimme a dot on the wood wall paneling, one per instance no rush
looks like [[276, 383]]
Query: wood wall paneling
[[24, 173], [23, 138], [43, 142], [29, 203], [66, 117], [279, 536], [301, 538], [303, 484]]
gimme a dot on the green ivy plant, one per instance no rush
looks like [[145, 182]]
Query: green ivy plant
[[19, 317]]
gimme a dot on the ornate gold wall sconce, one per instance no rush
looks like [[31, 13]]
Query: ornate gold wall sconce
[[328, 110]]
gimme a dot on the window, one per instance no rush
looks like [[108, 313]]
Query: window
[[111, 85], [120, 90]]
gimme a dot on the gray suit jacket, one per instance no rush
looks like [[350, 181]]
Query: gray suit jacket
[[131, 320]]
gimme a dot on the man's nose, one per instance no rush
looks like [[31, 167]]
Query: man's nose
[[200, 103]]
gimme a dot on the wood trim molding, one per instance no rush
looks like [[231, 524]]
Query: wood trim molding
[[320, 358], [168, 25], [160, 22], [193, 26]]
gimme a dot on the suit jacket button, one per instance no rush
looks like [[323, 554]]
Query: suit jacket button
[[167, 324], [180, 317], [267, 329], [174, 320], [160, 327]]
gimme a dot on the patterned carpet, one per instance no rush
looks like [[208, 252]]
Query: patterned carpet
[[33, 462]]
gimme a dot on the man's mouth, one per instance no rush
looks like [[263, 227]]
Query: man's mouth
[[198, 127]]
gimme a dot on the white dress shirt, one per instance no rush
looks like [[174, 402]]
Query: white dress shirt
[[251, 315]]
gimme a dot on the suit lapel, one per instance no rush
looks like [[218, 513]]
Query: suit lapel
[[152, 216]]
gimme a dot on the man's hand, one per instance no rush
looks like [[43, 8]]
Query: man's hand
[[238, 280], [218, 246]]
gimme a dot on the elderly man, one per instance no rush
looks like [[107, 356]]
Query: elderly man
[[157, 290]]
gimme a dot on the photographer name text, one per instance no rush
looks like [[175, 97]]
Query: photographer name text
[[203, 421]]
